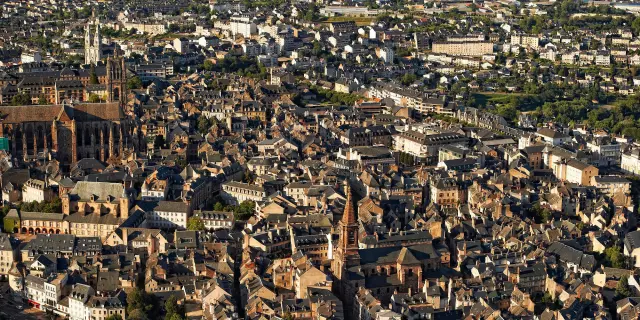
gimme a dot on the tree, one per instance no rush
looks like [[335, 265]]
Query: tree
[[158, 142], [208, 65], [195, 224], [219, 206], [174, 311], [146, 303], [114, 317], [94, 98], [245, 210], [622, 288], [203, 125], [613, 257], [635, 26], [134, 83], [137, 314], [408, 78], [174, 316], [93, 77], [42, 100], [540, 214], [21, 99]]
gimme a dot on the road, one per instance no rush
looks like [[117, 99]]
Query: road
[[9, 306]]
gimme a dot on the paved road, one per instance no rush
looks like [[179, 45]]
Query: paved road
[[9, 307]]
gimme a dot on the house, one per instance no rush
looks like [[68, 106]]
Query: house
[[632, 247], [553, 137]]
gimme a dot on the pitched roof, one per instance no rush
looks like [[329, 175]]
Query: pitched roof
[[103, 191]]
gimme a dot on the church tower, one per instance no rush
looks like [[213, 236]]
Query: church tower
[[92, 45], [346, 255], [116, 79]]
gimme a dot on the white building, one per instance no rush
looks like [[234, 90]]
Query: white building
[[36, 190], [630, 162], [237, 192], [553, 137], [215, 219], [84, 304], [79, 296], [607, 150], [28, 57], [386, 54], [181, 45], [166, 215], [242, 25]]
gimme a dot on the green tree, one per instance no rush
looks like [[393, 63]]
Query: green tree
[[614, 257], [195, 224], [245, 210], [208, 65], [622, 288], [158, 142], [94, 98], [219, 206], [138, 299], [173, 316], [203, 125], [408, 78], [42, 100], [93, 77], [21, 99], [134, 83], [540, 214], [136, 314], [174, 311], [114, 317], [635, 26]]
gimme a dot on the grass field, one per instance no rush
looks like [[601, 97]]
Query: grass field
[[482, 98]]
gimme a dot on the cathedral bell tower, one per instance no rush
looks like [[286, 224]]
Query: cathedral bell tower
[[92, 46], [346, 254]]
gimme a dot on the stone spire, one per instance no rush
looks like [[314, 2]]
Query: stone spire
[[348, 216]]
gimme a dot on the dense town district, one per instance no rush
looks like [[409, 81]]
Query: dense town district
[[319, 160]]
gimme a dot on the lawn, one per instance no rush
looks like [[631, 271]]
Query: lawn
[[482, 98]]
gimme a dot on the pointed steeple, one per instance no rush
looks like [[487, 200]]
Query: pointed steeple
[[349, 215], [96, 39]]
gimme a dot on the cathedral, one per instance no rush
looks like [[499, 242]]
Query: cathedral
[[68, 127], [92, 49], [384, 270], [70, 132]]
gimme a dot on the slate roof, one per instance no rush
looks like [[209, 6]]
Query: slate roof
[[388, 255]]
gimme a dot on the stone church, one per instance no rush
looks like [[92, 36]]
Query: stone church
[[70, 132], [92, 46], [384, 270]]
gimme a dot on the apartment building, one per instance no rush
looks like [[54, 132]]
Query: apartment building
[[527, 41], [575, 171], [86, 304], [607, 151], [166, 214], [421, 145], [477, 48], [8, 255], [630, 162], [237, 192], [215, 219]]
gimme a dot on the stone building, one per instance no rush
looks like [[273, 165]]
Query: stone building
[[382, 270], [72, 132]]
